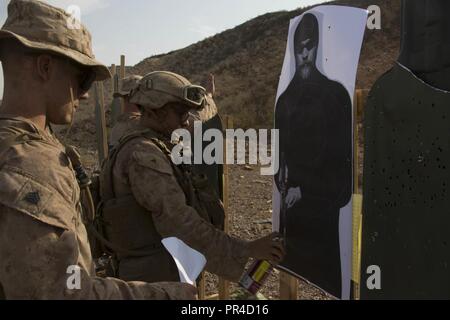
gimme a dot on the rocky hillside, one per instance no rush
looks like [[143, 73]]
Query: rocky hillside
[[247, 60]]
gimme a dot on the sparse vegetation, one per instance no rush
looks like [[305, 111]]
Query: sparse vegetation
[[247, 60]]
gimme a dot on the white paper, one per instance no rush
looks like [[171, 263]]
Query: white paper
[[190, 262], [341, 31]]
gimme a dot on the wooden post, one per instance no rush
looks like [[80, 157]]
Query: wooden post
[[288, 287], [100, 122], [357, 197], [122, 66], [224, 285], [113, 74], [356, 245], [116, 104], [122, 75], [356, 107], [201, 287]]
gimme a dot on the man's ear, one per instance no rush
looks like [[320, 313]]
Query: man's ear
[[45, 65]]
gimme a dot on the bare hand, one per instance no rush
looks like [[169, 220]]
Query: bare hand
[[268, 248]]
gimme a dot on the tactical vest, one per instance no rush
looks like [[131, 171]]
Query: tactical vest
[[128, 227]]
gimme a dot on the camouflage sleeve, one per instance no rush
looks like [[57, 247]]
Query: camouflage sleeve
[[155, 187], [39, 261]]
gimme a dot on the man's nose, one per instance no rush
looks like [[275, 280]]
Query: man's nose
[[85, 96], [305, 52], [185, 123]]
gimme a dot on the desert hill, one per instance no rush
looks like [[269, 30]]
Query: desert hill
[[247, 60]]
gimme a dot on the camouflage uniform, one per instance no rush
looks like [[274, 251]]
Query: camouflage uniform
[[144, 172], [41, 229], [127, 121]]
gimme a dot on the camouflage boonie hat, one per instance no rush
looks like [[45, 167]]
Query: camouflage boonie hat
[[159, 88], [39, 26], [127, 84]]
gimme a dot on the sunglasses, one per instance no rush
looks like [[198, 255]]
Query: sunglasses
[[85, 76], [85, 80]]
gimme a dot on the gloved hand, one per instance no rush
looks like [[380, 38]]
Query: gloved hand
[[294, 195]]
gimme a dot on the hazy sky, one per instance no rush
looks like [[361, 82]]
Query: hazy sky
[[141, 28]]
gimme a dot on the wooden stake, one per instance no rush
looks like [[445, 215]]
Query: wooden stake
[[100, 123], [288, 287], [356, 245], [224, 285], [113, 74], [122, 75], [116, 104], [201, 287], [122, 66], [356, 108], [358, 111]]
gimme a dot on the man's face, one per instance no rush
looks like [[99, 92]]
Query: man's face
[[305, 52], [306, 42], [130, 107], [67, 77], [176, 117]]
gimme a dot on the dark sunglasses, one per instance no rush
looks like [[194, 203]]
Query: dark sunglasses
[[85, 76], [85, 80]]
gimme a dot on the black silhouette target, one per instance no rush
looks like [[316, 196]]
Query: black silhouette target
[[406, 210], [314, 118]]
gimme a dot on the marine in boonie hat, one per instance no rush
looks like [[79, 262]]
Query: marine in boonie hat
[[159, 88], [39, 26]]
